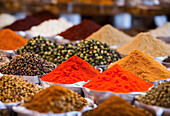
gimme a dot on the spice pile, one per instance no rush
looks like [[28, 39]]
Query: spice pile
[[50, 27], [27, 64], [6, 19], [146, 43], [71, 71], [9, 40], [24, 24], [80, 31], [158, 96], [56, 99], [96, 53], [110, 36], [41, 46], [116, 106], [162, 31], [119, 80], [3, 59], [144, 66], [15, 89]]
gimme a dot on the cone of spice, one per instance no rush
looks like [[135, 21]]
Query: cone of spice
[[71, 71], [80, 31], [9, 40], [56, 99], [116, 106], [15, 89], [144, 66], [119, 80], [27, 64]]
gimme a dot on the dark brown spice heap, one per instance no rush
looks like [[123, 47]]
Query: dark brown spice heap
[[27, 64], [24, 24], [116, 106], [56, 99], [80, 31], [15, 89]]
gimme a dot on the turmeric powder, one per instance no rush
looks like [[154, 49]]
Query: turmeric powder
[[144, 66], [9, 40]]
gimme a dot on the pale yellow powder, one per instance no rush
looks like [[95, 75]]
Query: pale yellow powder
[[110, 35], [148, 44]]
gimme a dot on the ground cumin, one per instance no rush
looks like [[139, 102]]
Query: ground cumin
[[144, 66], [116, 106], [56, 99], [9, 40]]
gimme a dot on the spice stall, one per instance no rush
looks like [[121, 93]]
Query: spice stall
[[50, 66]]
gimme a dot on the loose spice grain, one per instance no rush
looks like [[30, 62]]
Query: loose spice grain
[[144, 66]]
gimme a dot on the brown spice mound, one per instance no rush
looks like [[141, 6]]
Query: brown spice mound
[[148, 44], [9, 40], [110, 35], [144, 66], [80, 31], [116, 106], [56, 99]]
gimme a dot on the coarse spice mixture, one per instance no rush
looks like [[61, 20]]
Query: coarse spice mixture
[[56, 99], [80, 31], [71, 71], [116, 106], [158, 95], [9, 40], [14, 89], [110, 35], [144, 66], [119, 80], [27, 64], [146, 43]]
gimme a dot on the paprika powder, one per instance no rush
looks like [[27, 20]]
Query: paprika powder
[[71, 71], [119, 80]]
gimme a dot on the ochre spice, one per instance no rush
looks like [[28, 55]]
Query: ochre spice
[[119, 80], [144, 66], [9, 40], [71, 71], [116, 106], [56, 99]]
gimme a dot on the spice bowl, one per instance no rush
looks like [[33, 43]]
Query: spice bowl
[[8, 53], [101, 68], [155, 110], [156, 83]]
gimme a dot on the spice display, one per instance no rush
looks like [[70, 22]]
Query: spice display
[[167, 59], [119, 80], [3, 59], [41, 46], [116, 106], [146, 43], [162, 31], [158, 95], [6, 19], [71, 71], [24, 24], [80, 31], [144, 66], [9, 40], [27, 64], [44, 15], [56, 99], [15, 89], [96, 53], [110, 36], [50, 27]]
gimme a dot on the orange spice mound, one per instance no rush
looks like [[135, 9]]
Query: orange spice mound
[[119, 80], [9, 40], [144, 66]]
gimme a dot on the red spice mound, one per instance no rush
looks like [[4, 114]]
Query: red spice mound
[[80, 31], [9, 40], [71, 71], [24, 24], [119, 80]]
